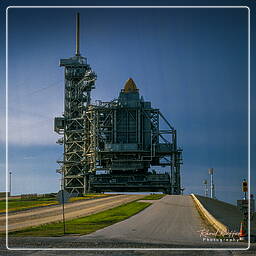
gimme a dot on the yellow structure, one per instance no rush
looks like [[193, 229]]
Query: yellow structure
[[130, 86]]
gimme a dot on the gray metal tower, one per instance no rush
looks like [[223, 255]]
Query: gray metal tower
[[79, 81], [126, 140], [111, 146]]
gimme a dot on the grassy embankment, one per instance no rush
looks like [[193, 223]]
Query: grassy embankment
[[18, 204], [88, 196], [85, 225], [154, 197]]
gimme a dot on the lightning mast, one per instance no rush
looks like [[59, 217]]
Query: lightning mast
[[79, 81]]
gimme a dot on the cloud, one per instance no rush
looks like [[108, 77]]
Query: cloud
[[31, 131], [28, 129], [31, 117], [2, 174], [29, 157], [22, 184]]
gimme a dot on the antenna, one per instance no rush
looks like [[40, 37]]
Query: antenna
[[205, 182], [212, 185], [77, 34]]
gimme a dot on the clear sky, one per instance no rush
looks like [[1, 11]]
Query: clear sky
[[190, 63]]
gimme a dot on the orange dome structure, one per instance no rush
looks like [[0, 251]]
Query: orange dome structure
[[130, 86]]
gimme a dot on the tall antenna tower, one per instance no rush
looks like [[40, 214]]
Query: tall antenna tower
[[79, 81]]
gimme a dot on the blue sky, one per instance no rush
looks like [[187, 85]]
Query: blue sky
[[190, 63]]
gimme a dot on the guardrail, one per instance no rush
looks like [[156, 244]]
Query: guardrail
[[219, 226]]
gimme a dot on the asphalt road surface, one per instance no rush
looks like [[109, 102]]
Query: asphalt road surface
[[169, 223], [33, 217], [173, 219]]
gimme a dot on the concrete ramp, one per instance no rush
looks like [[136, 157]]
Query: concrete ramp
[[225, 213]]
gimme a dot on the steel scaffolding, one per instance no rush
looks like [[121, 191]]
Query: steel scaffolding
[[121, 138]]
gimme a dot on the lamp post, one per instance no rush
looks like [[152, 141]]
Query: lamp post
[[205, 187], [10, 183], [212, 185]]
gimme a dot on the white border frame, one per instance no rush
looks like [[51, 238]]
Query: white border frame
[[128, 249]]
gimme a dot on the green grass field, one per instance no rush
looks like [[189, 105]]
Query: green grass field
[[154, 197], [85, 225], [88, 196], [17, 204]]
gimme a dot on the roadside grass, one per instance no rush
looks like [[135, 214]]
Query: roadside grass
[[85, 225], [88, 196], [154, 197], [18, 204]]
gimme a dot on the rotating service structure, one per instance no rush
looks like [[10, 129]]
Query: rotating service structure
[[113, 146]]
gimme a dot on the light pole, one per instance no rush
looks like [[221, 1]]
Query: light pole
[[205, 188], [212, 185], [10, 183]]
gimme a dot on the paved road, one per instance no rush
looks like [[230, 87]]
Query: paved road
[[173, 219], [130, 253], [172, 222], [20, 220]]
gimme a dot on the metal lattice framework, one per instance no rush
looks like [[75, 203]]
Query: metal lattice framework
[[102, 120], [122, 137], [79, 81]]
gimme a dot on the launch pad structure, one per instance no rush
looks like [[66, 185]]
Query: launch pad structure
[[111, 146]]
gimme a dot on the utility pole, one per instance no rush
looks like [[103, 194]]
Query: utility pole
[[63, 212], [212, 185], [10, 183], [205, 188]]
